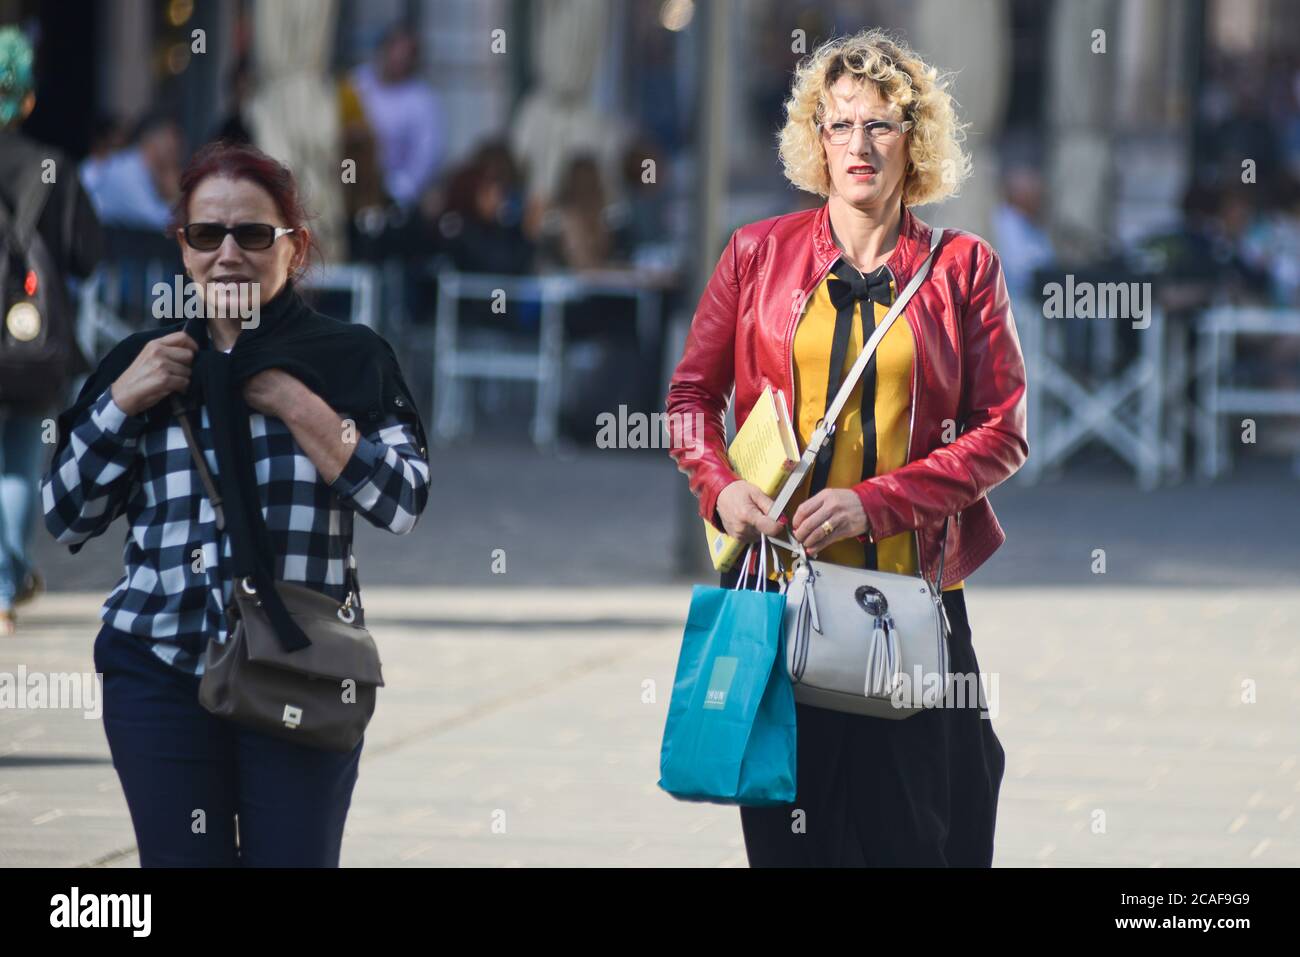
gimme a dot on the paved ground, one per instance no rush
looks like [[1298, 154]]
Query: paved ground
[[1119, 695], [610, 518]]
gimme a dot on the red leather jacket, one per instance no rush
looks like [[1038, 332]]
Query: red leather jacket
[[968, 369]]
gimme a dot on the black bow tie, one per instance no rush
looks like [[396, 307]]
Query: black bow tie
[[847, 286]]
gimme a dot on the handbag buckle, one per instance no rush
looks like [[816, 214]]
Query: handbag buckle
[[347, 614], [246, 583]]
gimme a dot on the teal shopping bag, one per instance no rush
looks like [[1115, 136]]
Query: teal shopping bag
[[730, 733]]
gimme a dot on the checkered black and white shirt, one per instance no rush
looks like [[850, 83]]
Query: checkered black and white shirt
[[178, 582]]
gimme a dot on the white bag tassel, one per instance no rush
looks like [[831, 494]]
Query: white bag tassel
[[882, 659], [875, 661], [893, 663]]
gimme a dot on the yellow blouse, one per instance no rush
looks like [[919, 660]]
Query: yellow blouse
[[812, 355]]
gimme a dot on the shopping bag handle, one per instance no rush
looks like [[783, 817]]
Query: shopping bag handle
[[742, 583]]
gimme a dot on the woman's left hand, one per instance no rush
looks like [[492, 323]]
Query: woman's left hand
[[271, 391], [839, 506]]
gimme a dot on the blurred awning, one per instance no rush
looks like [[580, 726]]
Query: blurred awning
[[555, 120], [293, 111]]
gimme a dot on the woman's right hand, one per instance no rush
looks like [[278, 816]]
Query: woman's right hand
[[743, 508], [161, 368]]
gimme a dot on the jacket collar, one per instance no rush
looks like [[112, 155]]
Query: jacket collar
[[913, 238]]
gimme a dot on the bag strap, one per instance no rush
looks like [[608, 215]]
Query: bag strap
[[35, 194], [19, 224], [200, 463], [205, 476]]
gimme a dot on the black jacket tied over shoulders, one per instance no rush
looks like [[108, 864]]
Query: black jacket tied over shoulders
[[349, 366]]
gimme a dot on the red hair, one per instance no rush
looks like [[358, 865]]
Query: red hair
[[244, 161]]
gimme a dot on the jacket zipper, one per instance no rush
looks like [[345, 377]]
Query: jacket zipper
[[916, 532], [911, 423]]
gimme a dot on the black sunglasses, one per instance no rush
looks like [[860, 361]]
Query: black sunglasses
[[209, 236]]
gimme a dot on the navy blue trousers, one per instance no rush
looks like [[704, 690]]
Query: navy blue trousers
[[205, 792]]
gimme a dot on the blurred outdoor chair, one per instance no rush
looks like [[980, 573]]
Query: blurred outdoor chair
[[1217, 394], [359, 282], [116, 301], [1090, 380], [464, 352], [100, 316]]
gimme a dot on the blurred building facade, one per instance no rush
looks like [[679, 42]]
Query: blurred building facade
[[1112, 131]]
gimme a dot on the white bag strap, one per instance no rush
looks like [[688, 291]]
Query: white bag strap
[[826, 425]]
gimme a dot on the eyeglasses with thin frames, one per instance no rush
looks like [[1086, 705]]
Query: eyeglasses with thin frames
[[880, 131]]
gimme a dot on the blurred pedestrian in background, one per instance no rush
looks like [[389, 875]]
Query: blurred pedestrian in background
[[49, 232], [403, 111], [239, 83], [575, 231], [480, 227], [1018, 228], [136, 187], [108, 135]]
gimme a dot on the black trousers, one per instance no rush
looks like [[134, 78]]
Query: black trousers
[[876, 792]]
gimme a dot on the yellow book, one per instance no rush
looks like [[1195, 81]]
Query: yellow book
[[764, 452]]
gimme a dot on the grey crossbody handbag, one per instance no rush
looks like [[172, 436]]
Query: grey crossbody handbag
[[321, 696], [862, 641]]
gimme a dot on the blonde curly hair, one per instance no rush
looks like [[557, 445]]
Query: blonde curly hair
[[938, 164]]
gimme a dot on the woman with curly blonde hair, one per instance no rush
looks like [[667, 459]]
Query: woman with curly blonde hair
[[934, 423]]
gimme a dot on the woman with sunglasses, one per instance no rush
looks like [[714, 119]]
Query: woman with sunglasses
[[305, 421]]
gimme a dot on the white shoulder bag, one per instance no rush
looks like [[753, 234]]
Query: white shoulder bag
[[857, 640]]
